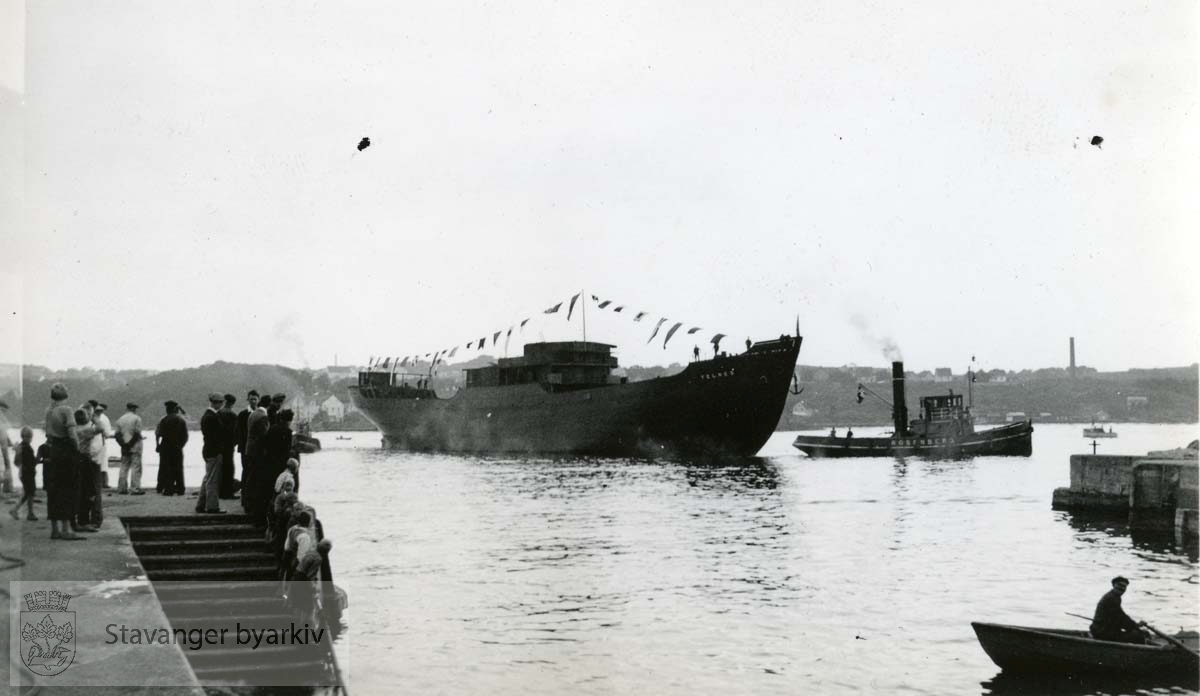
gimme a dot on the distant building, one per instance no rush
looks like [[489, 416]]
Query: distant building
[[305, 407], [1013, 416], [1134, 404], [943, 374], [333, 408]]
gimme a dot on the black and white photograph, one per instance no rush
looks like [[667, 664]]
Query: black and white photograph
[[600, 348]]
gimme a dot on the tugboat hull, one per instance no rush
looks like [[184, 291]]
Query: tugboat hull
[[1015, 439]]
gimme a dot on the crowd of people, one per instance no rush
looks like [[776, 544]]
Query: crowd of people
[[73, 458], [297, 540], [75, 453]]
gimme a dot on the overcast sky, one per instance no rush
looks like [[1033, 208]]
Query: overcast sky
[[913, 172]]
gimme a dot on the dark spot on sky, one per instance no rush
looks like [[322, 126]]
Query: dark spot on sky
[[364, 144], [1096, 140]]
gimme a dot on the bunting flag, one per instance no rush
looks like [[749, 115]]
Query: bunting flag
[[552, 310], [619, 308], [496, 337], [605, 304], [693, 330], [469, 343], [453, 351], [716, 340], [428, 354], [656, 328], [370, 361], [481, 343], [595, 299], [671, 333], [507, 337], [385, 363], [639, 316], [570, 308], [404, 361], [523, 323]]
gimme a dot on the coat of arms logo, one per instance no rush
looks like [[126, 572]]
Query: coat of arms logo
[[47, 633]]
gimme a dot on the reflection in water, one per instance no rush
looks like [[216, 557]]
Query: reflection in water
[[1005, 684], [779, 575], [1162, 546]]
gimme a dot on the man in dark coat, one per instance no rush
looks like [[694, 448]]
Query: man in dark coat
[[170, 437], [242, 432], [228, 420], [1111, 622], [278, 445], [214, 442]]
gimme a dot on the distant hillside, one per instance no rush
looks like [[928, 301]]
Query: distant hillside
[[1161, 395], [1166, 395]]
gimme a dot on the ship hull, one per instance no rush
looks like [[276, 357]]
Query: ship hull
[[724, 406], [1015, 439]]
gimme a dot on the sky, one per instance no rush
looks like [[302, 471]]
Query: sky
[[181, 182]]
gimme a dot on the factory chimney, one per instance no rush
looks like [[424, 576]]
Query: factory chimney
[[1072, 357]]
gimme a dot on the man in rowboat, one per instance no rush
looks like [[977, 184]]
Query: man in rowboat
[[1111, 622]]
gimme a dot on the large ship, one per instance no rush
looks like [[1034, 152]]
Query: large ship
[[563, 398], [944, 429]]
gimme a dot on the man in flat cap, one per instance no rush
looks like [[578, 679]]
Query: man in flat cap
[[129, 437], [1111, 622], [213, 433], [170, 437], [273, 410]]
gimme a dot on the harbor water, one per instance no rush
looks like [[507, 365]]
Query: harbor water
[[780, 574]]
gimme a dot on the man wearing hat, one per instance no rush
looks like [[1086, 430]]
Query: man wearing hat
[[129, 437], [170, 437], [275, 406], [1111, 622], [213, 432]]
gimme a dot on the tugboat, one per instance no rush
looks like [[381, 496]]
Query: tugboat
[[562, 398], [1095, 432], [944, 430]]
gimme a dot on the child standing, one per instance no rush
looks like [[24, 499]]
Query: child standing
[[27, 463]]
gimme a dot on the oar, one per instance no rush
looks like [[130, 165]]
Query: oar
[[1170, 639]]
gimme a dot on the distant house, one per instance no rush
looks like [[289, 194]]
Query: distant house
[[943, 374], [304, 407], [1136, 403], [333, 408], [1013, 416]]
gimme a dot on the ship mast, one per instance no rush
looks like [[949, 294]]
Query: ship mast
[[583, 299]]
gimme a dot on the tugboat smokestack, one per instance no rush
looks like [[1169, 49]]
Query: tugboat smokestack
[[899, 409]]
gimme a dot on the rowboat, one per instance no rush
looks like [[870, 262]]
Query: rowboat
[[1054, 650]]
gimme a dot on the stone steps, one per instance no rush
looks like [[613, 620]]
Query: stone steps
[[215, 572]]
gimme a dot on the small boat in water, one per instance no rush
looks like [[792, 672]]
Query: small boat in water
[[945, 429], [303, 440], [1094, 432], [1061, 651]]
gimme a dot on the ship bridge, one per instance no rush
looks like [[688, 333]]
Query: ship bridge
[[560, 366]]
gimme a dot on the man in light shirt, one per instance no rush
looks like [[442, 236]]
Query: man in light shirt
[[92, 484], [129, 436]]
